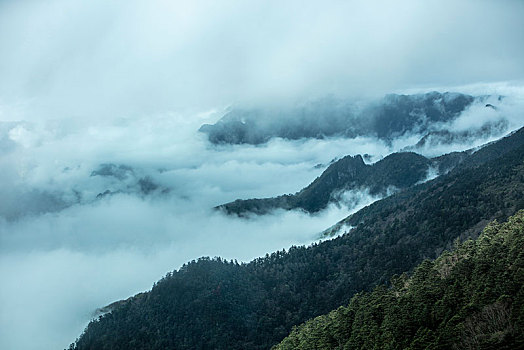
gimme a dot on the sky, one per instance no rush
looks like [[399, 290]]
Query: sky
[[85, 83], [91, 59]]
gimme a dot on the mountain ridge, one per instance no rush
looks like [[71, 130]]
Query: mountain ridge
[[387, 118], [397, 171], [212, 303], [468, 298]]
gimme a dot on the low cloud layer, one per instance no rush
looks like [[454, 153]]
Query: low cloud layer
[[128, 83], [64, 252], [62, 267]]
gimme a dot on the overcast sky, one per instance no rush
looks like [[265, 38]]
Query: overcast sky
[[129, 82], [72, 58]]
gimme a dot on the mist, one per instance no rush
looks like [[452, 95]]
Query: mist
[[96, 60], [127, 85], [65, 251]]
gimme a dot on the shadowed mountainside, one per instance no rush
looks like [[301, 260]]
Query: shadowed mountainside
[[212, 303], [469, 298], [397, 171], [388, 118]]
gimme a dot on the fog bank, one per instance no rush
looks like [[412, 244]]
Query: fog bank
[[105, 182]]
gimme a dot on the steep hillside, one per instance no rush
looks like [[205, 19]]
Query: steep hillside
[[213, 304], [470, 298]]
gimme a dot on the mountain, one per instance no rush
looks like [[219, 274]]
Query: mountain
[[395, 172], [487, 154], [105, 180], [469, 298], [448, 137], [125, 179], [215, 304], [391, 117]]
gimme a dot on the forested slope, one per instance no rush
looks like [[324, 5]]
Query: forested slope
[[469, 298], [397, 171], [212, 304], [393, 173]]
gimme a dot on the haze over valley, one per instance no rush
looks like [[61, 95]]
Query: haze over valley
[[136, 137]]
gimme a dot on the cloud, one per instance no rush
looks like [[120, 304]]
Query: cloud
[[61, 261], [93, 60], [56, 269], [130, 82]]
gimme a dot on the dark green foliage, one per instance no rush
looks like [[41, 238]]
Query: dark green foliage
[[211, 304], [470, 298]]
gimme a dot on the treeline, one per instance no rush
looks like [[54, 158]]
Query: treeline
[[469, 298]]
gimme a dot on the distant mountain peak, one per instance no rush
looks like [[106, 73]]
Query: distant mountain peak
[[387, 118]]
